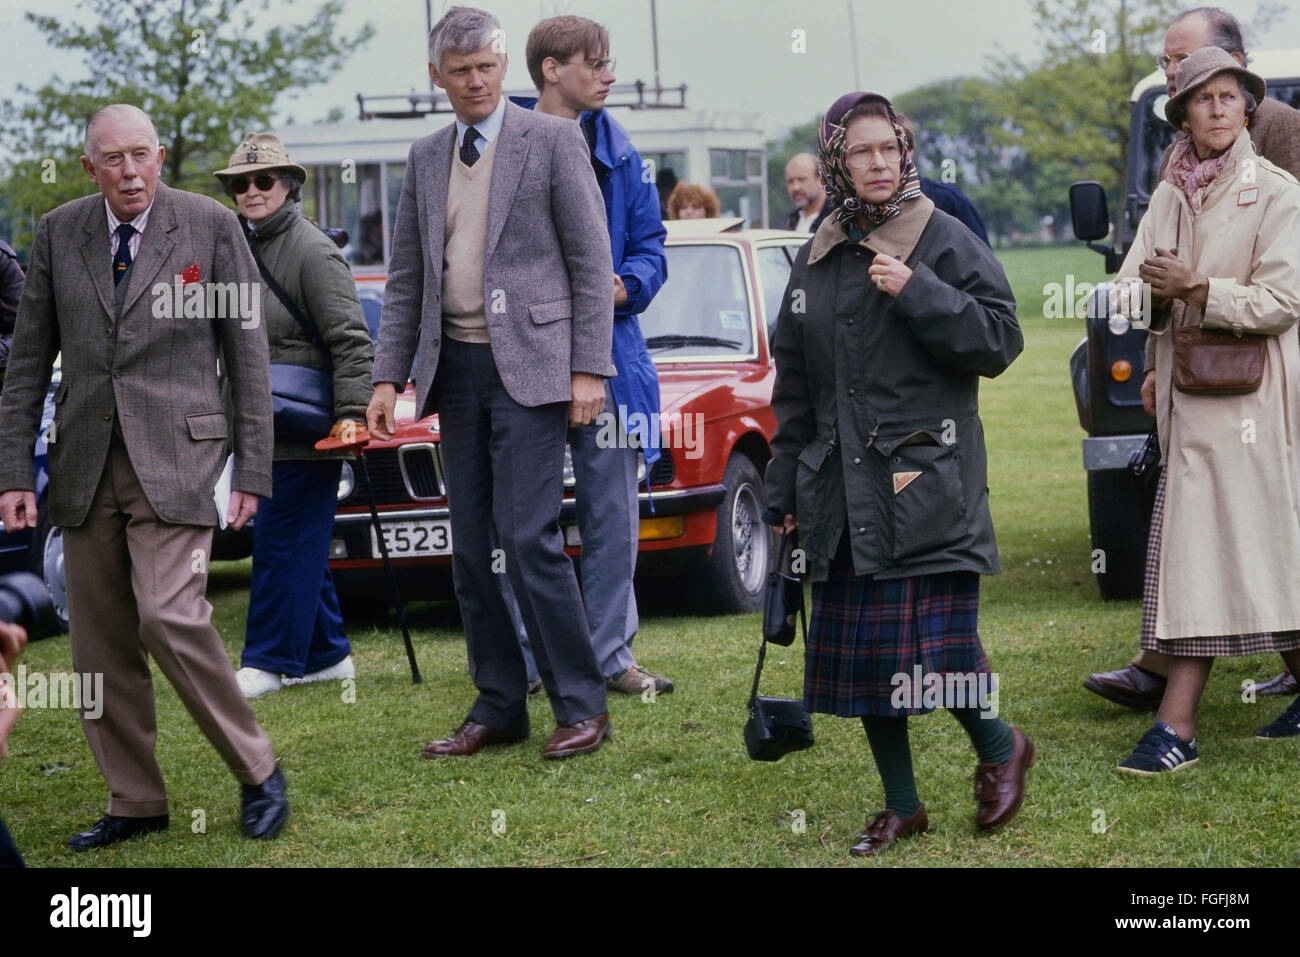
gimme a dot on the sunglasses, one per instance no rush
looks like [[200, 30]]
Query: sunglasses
[[263, 181]]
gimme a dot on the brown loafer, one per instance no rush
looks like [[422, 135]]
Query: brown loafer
[[1281, 684], [468, 739], [1130, 686], [571, 739], [886, 828], [1000, 788]]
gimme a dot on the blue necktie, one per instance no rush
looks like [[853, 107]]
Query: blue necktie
[[468, 151], [122, 259]]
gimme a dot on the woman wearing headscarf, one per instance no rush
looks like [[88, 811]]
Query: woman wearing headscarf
[[893, 312], [295, 629], [1219, 248]]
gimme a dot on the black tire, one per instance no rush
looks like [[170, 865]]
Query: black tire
[[45, 561], [1118, 517], [733, 578]]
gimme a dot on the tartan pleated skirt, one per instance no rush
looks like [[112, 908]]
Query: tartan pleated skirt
[[1207, 647], [864, 632]]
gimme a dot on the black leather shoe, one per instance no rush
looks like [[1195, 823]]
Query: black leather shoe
[[264, 807], [1130, 686], [111, 829]]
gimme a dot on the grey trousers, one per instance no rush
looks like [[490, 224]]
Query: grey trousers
[[609, 521], [503, 464]]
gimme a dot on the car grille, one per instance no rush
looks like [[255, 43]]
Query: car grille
[[402, 474], [661, 473], [421, 467]]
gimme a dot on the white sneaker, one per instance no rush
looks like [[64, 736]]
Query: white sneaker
[[254, 682], [344, 669]]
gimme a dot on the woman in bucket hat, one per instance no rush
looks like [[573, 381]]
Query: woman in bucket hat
[[295, 629], [1217, 250]]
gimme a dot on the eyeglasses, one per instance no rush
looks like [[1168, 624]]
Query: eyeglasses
[[859, 157], [1162, 62], [263, 181], [597, 67]]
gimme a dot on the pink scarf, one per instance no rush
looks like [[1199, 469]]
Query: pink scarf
[[1191, 175]]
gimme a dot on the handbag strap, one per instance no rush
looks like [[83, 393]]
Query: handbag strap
[[803, 623], [309, 330]]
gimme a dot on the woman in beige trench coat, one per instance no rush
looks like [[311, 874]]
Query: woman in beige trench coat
[[1220, 248]]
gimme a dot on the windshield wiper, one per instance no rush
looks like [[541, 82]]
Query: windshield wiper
[[677, 340]]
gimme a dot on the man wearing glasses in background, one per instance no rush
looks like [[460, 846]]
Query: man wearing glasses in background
[[568, 59]]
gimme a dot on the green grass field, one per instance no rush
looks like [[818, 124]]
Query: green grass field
[[674, 786]]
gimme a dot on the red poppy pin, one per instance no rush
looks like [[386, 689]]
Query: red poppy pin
[[191, 274]]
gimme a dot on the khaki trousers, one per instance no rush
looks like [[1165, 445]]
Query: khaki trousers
[[136, 588]]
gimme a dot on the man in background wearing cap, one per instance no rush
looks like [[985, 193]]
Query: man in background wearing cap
[[1275, 133], [137, 445]]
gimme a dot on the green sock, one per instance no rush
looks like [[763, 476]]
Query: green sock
[[990, 735], [893, 756]]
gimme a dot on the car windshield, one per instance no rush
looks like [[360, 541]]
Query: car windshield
[[703, 309]]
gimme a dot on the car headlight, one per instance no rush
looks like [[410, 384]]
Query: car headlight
[[347, 482], [1118, 325], [569, 480]]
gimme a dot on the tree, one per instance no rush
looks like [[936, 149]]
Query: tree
[[202, 69], [1070, 108]]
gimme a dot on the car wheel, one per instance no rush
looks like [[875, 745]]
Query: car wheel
[[1118, 520], [736, 571], [45, 560]]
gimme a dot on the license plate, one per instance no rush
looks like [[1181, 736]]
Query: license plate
[[413, 539]]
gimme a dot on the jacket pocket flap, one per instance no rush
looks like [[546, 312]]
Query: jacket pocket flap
[[885, 444], [206, 425], [60, 392], [541, 312], [815, 453]]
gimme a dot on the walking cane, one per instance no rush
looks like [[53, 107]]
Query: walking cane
[[361, 438]]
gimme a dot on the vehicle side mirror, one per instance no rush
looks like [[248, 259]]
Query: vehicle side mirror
[[1088, 211]]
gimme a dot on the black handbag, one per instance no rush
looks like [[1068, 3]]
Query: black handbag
[[783, 599], [302, 398], [777, 726]]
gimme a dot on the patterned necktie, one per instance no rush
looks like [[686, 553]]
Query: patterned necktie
[[122, 258], [468, 151]]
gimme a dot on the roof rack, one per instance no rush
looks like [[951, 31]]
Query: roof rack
[[405, 106]]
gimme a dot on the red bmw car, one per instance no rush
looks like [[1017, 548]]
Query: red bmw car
[[707, 332]]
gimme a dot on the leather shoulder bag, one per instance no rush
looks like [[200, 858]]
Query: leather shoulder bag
[[302, 398]]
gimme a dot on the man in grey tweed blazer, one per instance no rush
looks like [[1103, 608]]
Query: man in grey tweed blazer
[[139, 286], [501, 276]]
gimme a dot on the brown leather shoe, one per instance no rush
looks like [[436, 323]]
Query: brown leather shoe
[[1281, 684], [571, 739], [1000, 788], [886, 828], [468, 739], [1130, 686]]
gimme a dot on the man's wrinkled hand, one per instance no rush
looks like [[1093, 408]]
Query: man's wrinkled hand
[[243, 506], [588, 398], [381, 413], [13, 638], [18, 510]]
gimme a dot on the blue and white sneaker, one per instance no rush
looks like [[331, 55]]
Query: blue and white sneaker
[[1159, 750], [1285, 725]]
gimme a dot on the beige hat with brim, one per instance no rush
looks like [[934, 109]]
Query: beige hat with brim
[[260, 152], [1200, 67]]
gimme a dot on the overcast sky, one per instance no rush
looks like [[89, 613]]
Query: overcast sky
[[733, 54]]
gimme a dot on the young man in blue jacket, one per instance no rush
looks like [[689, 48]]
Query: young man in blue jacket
[[568, 59]]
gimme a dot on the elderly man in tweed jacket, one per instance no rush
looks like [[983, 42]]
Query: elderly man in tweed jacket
[[119, 283]]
